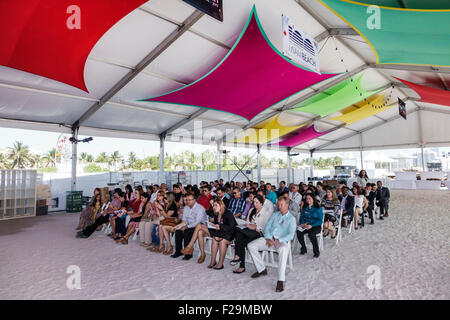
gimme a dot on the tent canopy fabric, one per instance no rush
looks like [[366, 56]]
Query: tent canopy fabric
[[306, 135], [364, 111], [58, 52], [126, 32], [270, 131], [428, 94], [411, 4], [348, 92], [407, 36], [252, 66]]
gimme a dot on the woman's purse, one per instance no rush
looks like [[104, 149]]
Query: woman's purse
[[171, 222]]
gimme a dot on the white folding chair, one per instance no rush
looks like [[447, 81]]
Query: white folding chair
[[320, 235], [269, 257]]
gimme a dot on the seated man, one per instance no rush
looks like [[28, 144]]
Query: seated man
[[268, 205], [278, 231], [237, 204], [193, 214], [347, 205]]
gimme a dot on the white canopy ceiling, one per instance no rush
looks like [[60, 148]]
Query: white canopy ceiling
[[33, 102]]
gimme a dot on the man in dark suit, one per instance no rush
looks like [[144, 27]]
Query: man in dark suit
[[347, 205], [383, 196], [221, 195]]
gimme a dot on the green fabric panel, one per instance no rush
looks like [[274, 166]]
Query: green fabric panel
[[410, 4], [344, 94], [406, 36]]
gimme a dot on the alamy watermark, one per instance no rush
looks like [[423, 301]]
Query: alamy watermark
[[374, 280], [374, 20], [74, 280]]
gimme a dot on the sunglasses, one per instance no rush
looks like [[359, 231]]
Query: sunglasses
[[165, 198]]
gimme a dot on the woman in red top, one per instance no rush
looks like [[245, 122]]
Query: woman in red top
[[135, 203]]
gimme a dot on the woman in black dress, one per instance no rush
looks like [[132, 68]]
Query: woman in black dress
[[223, 234]]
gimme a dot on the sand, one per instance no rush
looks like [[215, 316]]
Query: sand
[[411, 248]]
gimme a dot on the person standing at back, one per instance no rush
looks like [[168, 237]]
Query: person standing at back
[[383, 197]]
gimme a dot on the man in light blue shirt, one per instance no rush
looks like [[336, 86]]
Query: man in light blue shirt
[[278, 233]]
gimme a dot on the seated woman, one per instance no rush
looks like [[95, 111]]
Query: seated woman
[[117, 215], [310, 221], [135, 218], [248, 205], [122, 223], [86, 214], [169, 210], [361, 205], [257, 219], [331, 207], [145, 225], [156, 216], [222, 235]]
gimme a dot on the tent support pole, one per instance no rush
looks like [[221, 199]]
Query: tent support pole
[[288, 166], [361, 150], [311, 164], [218, 161], [162, 139], [421, 142], [74, 159], [259, 163]]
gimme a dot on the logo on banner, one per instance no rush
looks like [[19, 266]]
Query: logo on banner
[[402, 108], [300, 46]]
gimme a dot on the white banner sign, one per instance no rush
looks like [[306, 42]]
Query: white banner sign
[[300, 46]]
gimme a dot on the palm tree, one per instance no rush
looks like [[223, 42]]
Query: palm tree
[[83, 157], [3, 162], [50, 158], [131, 159], [115, 158], [19, 156], [89, 158], [102, 158]]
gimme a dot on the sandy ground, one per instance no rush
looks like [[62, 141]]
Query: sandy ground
[[411, 248]]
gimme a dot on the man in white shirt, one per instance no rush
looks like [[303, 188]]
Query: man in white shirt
[[294, 195], [155, 189], [193, 214]]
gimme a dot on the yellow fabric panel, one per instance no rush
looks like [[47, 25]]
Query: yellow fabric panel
[[365, 110], [265, 132]]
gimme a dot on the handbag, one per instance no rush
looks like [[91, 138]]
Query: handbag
[[172, 222]]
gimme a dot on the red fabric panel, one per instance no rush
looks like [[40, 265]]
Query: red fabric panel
[[35, 37], [428, 94]]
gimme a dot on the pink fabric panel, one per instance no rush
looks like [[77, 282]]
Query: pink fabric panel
[[307, 135], [251, 79]]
